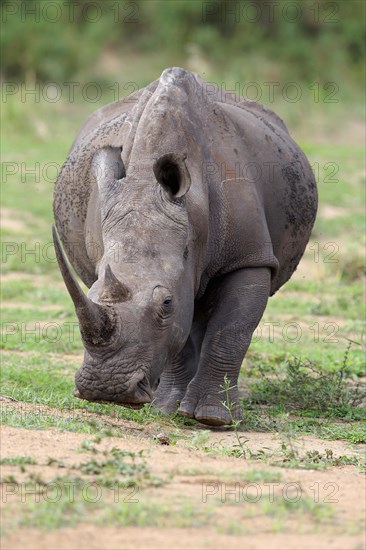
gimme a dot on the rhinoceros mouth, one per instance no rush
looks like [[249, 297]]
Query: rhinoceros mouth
[[141, 395]]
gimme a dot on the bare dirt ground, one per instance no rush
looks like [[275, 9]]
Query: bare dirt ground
[[191, 473], [89, 537]]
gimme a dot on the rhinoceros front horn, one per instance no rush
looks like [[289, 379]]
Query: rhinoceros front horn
[[96, 323]]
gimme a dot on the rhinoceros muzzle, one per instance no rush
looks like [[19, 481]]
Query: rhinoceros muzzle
[[135, 399]]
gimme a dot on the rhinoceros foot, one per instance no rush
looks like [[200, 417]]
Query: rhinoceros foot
[[207, 407], [167, 399], [174, 382], [206, 414]]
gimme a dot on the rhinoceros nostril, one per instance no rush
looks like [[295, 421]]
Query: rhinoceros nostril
[[143, 387]]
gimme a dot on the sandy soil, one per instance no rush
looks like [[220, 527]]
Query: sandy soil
[[190, 473], [89, 537]]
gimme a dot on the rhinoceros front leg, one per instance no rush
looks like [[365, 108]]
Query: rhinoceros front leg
[[176, 376], [237, 305]]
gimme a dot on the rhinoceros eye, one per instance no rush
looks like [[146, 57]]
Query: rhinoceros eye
[[162, 298]]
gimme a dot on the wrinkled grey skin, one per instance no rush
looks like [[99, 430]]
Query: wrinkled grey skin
[[183, 211]]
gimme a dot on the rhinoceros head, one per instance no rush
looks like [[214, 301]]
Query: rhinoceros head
[[137, 314]]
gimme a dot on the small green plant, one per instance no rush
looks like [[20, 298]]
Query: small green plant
[[36, 478], [240, 450], [18, 460], [8, 479], [354, 433], [87, 446], [263, 476], [291, 457], [55, 462], [120, 468], [200, 439], [328, 459]]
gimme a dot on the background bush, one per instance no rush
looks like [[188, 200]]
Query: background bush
[[67, 39]]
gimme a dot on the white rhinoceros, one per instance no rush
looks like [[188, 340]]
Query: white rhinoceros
[[183, 210]]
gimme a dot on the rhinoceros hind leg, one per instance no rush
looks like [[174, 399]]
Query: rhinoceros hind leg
[[168, 401], [173, 385], [175, 379]]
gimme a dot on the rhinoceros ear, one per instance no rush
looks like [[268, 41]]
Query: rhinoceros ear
[[107, 167], [171, 172]]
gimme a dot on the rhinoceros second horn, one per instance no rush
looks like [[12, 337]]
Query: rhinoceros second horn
[[113, 290]]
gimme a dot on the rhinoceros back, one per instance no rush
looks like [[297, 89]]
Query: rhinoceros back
[[274, 208]]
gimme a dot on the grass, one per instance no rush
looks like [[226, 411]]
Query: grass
[[111, 468], [63, 501], [306, 386], [120, 468], [39, 420], [289, 454], [304, 506], [66, 511], [263, 476], [17, 460]]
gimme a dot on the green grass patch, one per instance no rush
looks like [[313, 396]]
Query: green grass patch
[[306, 386], [39, 419], [317, 512], [119, 468], [263, 476], [17, 461]]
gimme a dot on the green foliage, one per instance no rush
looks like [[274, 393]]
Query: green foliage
[[46, 44], [307, 386], [354, 433], [70, 39]]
